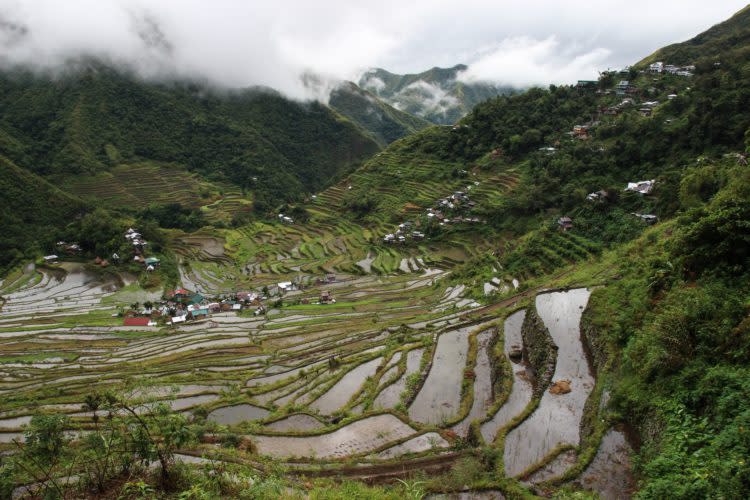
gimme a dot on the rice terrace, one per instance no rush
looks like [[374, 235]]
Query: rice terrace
[[238, 262], [329, 353]]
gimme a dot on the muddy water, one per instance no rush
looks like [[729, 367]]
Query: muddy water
[[190, 401], [15, 423], [555, 468], [231, 415], [270, 379], [358, 437], [338, 395], [558, 417], [610, 474], [522, 390], [298, 422], [440, 396], [418, 444], [366, 263], [9, 437], [482, 383], [391, 395]]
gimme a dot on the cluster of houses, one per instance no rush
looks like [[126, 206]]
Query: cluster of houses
[[401, 234], [445, 211], [641, 187], [660, 67], [181, 305], [139, 248], [645, 108], [63, 247]]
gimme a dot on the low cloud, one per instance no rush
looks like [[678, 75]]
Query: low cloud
[[524, 61], [431, 98], [237, 43]]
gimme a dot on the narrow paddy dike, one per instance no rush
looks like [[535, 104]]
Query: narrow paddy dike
[[522, 389], [482, 373], [557, 419]]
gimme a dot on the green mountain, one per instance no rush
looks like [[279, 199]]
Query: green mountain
[[32, 211], [435, 95], [729, 37], [94, 117], [539, 180], [124, 143], [382, 122]]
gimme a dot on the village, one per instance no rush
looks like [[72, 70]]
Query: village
[[450, 210], [181, 305]]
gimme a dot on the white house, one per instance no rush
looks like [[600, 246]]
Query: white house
[[656, 67], [643, 187]]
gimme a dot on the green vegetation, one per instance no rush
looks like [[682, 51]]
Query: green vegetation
[[32, 210], [117, 141], [666, 325]]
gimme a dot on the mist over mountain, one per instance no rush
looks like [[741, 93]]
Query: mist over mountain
[[237, 44], [437, 95]]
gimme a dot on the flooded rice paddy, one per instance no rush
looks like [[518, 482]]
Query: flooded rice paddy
[[319, 381], [557, 420]]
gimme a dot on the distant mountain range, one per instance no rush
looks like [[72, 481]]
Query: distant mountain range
[[437, 95], [381, 121]]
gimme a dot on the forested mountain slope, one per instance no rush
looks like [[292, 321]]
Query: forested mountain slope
[[93, 117], [31, 211]]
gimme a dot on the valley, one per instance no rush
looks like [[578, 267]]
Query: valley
[[211, 293]]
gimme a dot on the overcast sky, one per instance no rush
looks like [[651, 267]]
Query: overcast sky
[[241, 43]]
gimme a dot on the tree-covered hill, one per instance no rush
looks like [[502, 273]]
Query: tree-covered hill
[[93, 117], [31, 211], [720, 41], [669, 328]]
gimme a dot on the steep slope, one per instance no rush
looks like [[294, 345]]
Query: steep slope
[[30, 208], [435, 95], [669, 327], [730, 38], [383, 123], [93, 117]]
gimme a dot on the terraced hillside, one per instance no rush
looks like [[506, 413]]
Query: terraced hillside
[[139, 185], [492, 308], [401, 368]]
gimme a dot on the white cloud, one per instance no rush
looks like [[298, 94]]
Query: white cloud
[[373, 83], [524, 61], [242, 43], [430, 98]]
